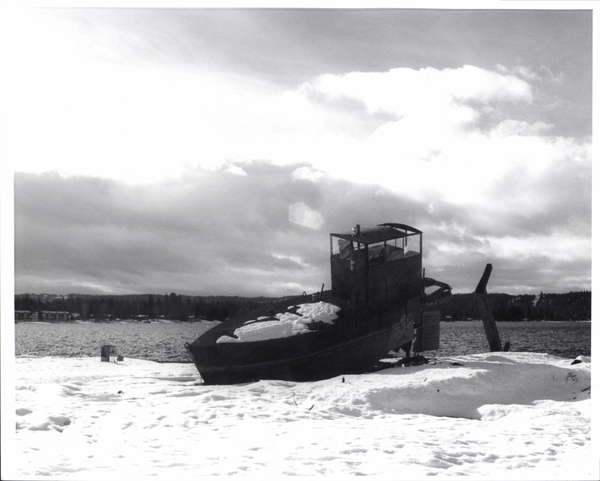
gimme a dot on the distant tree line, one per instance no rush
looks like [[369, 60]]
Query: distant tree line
[[170, 306], [571, 306], [505, 307]]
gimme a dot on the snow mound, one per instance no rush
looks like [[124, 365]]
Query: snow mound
[[459, 387]]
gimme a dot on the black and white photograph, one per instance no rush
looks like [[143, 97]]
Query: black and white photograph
[[267, 241]]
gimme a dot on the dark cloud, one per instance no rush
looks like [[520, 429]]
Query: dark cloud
[[105, 232], [215, 232]]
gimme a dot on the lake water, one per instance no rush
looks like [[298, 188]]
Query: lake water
[[164, 341]]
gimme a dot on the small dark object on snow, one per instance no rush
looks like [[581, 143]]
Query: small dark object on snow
[[119, 358], [343, 380], [106, 352], [577, 361], [120, 392]]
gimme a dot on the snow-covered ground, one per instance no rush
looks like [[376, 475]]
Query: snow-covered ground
[[487, 416]]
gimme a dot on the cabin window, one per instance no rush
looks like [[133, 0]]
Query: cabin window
[[345, 248], [401, 248], [411, 245], [342, 248], [394, 252], [377, 253]]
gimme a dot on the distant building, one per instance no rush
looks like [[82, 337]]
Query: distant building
[[22, 316], [51, 316]]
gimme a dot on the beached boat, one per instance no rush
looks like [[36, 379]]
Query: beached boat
[[376, 305]]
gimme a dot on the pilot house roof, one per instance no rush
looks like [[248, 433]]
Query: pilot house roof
[[379, 233]]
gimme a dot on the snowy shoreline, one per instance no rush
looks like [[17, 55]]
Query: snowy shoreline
[[491, 415]]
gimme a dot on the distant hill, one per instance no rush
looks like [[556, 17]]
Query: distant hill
[[573, 306]]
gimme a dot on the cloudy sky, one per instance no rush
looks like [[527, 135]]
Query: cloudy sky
[[212, 151]]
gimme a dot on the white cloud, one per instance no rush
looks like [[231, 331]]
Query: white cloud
[[474, 83], [292, 110], [438, 146], [527, 73], [404, 91], [521, 127], [306, 173], [141, 124], [235, 169], [294, 259]]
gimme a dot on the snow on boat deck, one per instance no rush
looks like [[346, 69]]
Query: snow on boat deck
[[285, 324]]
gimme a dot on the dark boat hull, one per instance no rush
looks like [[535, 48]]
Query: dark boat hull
[[353, 345]]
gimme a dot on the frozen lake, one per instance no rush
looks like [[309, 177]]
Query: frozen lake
[[164, 341]]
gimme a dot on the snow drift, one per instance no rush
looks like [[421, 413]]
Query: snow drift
[[496, 415]]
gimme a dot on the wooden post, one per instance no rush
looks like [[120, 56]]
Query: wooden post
[[481, 299]]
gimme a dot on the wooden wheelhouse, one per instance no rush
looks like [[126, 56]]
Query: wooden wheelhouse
[[377, 267]]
